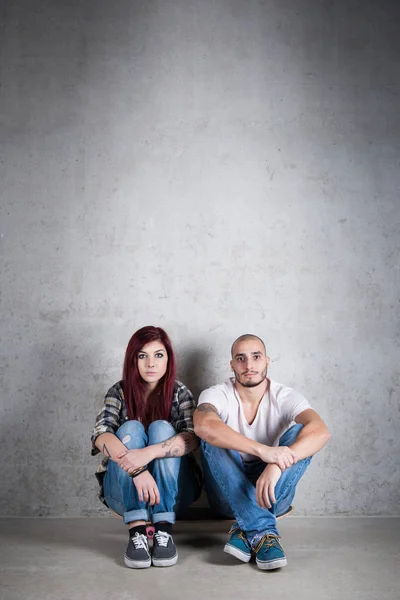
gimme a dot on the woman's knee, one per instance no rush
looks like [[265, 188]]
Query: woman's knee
[[132, 434], [159, 431], [115, 481]]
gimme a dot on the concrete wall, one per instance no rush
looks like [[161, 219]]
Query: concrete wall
[[214, 168]]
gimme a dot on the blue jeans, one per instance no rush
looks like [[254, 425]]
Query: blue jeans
[[230, 485], [176, 481]]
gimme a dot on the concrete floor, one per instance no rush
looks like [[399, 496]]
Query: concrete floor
[[74, 559]]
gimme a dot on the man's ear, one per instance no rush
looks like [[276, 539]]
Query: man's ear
[[231, 365], [268, 361]]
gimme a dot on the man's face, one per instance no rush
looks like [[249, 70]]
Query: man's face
[[249, 362]]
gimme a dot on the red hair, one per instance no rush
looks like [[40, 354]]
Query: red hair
[[158, 404]]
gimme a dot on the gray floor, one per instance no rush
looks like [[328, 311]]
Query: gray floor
[[328, 558]]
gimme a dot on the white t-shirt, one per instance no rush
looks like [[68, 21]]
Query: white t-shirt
[[277, 410]]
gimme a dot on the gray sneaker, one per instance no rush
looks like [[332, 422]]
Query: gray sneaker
[[137, 555], [164, 550]]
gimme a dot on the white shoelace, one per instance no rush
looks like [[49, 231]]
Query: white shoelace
[[162, 538], [140, 541]]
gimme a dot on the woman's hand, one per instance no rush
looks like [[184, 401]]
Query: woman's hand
[[131, 460], [147, 488]]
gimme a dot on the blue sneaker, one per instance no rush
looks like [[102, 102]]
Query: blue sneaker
[[269, 553], [238, 546]]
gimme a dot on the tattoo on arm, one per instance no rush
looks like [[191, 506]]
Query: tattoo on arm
[[207, 408], [190, 441], [106, 451], [172, 451], [169, 441], [186, 441]]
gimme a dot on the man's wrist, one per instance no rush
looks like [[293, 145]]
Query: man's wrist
[[258, 450], [274, 467]]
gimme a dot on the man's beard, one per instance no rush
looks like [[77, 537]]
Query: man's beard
[[251, 384]]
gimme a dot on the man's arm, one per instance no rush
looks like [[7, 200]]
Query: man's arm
[[209, 427], [313, 436]]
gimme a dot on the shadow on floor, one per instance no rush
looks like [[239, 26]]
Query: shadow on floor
[[108, 537]]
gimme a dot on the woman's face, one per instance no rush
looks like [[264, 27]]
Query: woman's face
[[152, 362]]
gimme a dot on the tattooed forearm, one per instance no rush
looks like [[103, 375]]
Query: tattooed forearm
[[179, 444], [169, 441], [106, 451], [187, 445], [175, 452], [190, 442]]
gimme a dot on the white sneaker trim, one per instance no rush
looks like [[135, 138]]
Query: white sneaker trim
[[165, 562], [239, 554], [137, 564], [278, 563]]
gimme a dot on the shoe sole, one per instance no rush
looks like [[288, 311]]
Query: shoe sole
[[137, 564], [237, 553], [287, 513], [165, 562], [272, 564]]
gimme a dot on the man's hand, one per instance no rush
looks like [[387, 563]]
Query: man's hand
[[282, 456], [265, 487], [147, 488], [131, 460]]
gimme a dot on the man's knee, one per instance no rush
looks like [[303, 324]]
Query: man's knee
[[207, 449], [290, 436], [131, 432], [220, 457], [159, 431]]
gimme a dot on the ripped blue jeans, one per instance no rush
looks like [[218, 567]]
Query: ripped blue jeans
[[176, 481]]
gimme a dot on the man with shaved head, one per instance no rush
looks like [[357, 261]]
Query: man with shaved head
[[253, 454]]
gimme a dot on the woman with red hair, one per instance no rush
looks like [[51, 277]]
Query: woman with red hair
[[145, 431]]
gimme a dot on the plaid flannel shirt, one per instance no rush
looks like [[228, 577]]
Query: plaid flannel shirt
[[114, 413]]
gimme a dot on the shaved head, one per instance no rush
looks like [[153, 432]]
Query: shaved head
[[244, 338]]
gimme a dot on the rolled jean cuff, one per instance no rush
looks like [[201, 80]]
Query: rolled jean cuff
[[253, 541], [140, 514], [168, 517]]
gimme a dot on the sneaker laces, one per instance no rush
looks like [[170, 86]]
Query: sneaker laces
[[139, 541], [162, 538], [240, 534], [268, 540]]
